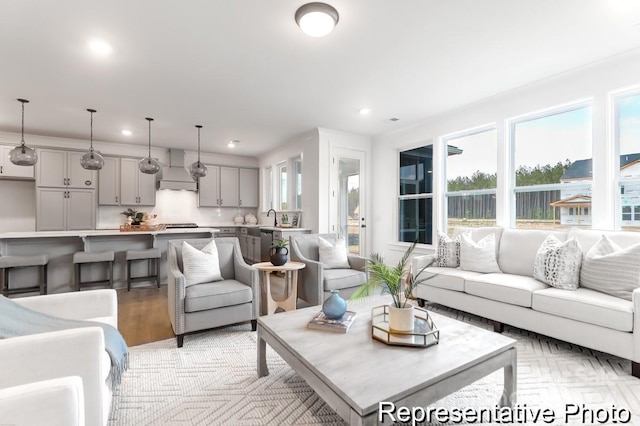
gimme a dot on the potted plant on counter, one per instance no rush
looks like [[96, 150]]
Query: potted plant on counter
[[398, 281], [135, 216], [278, 254]]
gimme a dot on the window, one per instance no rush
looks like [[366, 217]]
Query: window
[[415, 203], [471, 179], [552, 165], [282, 186], [627, 113], [297, 163]]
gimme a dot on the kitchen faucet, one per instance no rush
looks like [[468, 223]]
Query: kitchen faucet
[[275, 217]]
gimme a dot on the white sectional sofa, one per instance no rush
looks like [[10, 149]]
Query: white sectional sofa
[[585, 317]]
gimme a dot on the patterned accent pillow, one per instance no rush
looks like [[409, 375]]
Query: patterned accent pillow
[[448, 251], [200, 266], [480, 256], [558, 264], [333, 256], [609, 269]]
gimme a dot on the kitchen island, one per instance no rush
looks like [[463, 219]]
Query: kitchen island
[[61, 245]]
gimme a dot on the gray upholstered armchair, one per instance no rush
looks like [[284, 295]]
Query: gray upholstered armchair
[[233, 300], [315, 282]]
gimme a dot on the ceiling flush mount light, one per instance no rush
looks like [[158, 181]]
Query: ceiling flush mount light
[[197, 169], [232, 143], [126, 132], [149, 165], [364, 111], [317, 19], [100, 48], [92, 160], [22, 155]]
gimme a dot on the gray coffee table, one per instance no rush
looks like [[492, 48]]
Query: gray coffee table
[[352, 372]]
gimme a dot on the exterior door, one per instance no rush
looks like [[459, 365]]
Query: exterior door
[[348, 198]]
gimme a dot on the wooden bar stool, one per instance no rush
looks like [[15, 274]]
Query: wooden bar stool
[[83, 257], [152, 254], [9, 262]]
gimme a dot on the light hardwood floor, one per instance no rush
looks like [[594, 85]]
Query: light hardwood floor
[[142, 315]]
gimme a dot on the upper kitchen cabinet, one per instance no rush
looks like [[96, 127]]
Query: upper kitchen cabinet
[[219, 188], [62, 169], [10, 170], [228, 187], [248, 188], [109, 182], [136, 188]]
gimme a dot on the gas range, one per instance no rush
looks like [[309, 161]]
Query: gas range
[[180, 225]]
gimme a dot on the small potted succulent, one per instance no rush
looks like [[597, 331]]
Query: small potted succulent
[[279, 252], [134, 216]]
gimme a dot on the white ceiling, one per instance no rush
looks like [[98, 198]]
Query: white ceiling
[[244, 70]]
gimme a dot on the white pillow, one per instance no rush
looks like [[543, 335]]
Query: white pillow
[[200, 266], [558, 264], [480, 256], [448, 251], [609, 269], [333, 256]]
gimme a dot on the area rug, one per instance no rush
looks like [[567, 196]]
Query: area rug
[[212, 380]]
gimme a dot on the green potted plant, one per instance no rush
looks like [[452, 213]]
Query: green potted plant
[[278, 253], [398, 281], [135, 216]]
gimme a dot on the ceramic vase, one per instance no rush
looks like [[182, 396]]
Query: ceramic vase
[[335, 306], [278, 256], [401, 319]]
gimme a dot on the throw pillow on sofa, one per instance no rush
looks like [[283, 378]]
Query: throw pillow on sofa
[[558, 264], [478, 256], [448, 251], [200, 266], [333, 256], [609, 269]]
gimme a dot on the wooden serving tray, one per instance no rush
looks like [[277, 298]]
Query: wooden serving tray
[[139, 228]]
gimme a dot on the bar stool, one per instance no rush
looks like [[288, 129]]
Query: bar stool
[[83, 257], [9, 262], [152, 254]]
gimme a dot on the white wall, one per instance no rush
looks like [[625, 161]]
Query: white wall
[[595, 81], [171, 206]]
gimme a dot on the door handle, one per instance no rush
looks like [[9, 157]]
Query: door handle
[[363, 226], [116, 198], [220, 201], [240, 202]]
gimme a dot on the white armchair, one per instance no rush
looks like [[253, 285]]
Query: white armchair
[[56, 402], [74, 352]]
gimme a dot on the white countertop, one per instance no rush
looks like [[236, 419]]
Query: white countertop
[[101, 232]]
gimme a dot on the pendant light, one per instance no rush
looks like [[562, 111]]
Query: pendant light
[[149, 165], [22, 155], [92, 160], [197, 169]]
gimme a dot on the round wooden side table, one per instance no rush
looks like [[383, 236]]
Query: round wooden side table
[[268, 304]]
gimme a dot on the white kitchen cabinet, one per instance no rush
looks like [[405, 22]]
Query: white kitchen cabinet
[[62, 169], [228, 186], [136, 188], [109, 182], [244, 245], [253, 249], [10, 170], [62, 209], [248, 188]]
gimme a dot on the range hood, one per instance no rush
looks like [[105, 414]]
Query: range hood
[[176, 176]]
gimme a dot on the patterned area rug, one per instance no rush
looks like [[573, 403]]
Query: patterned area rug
[[212, 380]]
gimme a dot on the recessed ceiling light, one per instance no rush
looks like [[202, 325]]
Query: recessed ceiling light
[[364, 111], [127, 132], [232, 143], [100, 48]]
